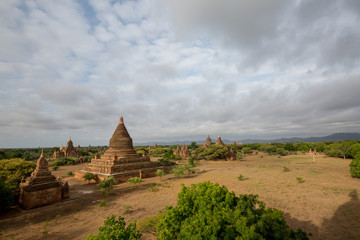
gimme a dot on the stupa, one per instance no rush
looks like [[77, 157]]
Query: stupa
[[177, 150], [120, 161], [208, 141], [41, 188], [219, 141]]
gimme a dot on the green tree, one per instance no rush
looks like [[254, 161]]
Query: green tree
[[290, 147], [246, 150], [89, 176], [212, 152], [13, 170], [354, 149], [114, 229], [193, 145], [6, 197], [208, 211]]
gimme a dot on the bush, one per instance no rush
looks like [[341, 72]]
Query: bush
[[66, 161], [241, 177], [179, 171], [281, 152], [208, 211], [160, 173], [355, 166], [158, 152], [148, 225], [165, 162], [102, 203], [69, 173], [212, 152], [116, 229], [135, 180], [106, 185], [191, 161], [169, 155], [89, 176], [13, 170]]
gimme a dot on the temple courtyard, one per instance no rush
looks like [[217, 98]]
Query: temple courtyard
[[324, 201]]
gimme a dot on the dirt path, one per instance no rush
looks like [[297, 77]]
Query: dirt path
[[325, 203]]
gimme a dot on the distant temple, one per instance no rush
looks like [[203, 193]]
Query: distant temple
[[42, 188], [219, 141], [207, 142], [68, 151], [120, 161], [184, 152]]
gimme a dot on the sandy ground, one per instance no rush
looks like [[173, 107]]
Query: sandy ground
[[325, 203]]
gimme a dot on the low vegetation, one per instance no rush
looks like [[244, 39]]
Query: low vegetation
[[208, 211], [89, 176], [134, 181], [355, 166], [107, 185], [116, 229]]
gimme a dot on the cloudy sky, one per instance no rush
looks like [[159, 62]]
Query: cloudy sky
[[177, 70]]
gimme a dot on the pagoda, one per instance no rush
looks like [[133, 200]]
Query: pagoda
[[208, 141], [219, 141], [41, 188], [120, 161]]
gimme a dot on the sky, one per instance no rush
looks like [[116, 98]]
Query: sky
[[177, 70]]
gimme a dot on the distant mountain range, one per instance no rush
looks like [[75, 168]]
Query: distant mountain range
[[331, 138]]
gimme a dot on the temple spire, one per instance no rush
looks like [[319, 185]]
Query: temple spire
[[121, 120]]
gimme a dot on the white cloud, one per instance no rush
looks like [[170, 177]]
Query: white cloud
[[176, 69]]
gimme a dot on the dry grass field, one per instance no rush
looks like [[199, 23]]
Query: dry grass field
[[324, 203]]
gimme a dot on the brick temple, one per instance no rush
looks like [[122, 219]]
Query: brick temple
[[120, 161], [42, 188]]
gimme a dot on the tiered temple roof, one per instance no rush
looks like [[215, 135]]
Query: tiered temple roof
[[41, 187]]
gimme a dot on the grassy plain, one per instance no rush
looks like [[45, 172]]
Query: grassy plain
[[324, 202]]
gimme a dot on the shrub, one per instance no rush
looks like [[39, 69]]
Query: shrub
[[134, 181], [286, 169], [66, 161], [106, 185], [241, 177], [179, 171], [212, 152], [208, 211], [69, 173], [165, 162], [300, 179], [191, 161], [148, 225], [281, 151], [158, 152], [102, 203], [89, 176], [355, 166], [116, 229], [160, 173], [169, 155]]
